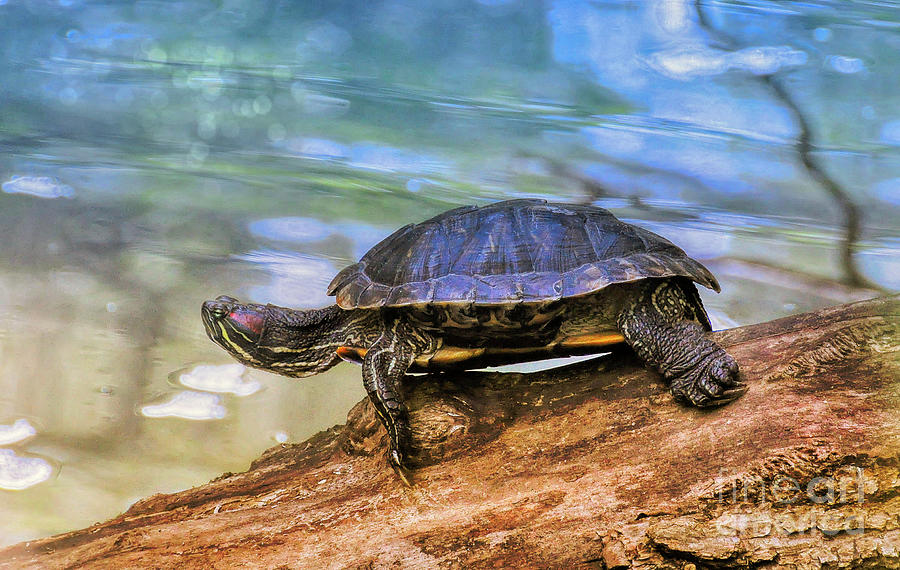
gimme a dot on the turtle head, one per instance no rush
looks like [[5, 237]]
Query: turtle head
[[289, 342]]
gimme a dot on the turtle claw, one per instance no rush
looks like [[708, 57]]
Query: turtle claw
[[710, 384], [725, 371], [396, 461], [732, 393]]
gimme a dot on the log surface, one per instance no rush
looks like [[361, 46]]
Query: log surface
[[592, 465]]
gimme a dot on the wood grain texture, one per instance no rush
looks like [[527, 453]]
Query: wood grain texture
[[589, 466]]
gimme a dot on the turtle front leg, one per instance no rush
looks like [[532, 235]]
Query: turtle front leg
[[383, 369], [660, 325]]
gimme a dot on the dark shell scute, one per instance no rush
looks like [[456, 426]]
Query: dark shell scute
[[513, 251]]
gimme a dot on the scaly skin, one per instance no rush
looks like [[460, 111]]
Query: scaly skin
[[661, 325], [384, 367]]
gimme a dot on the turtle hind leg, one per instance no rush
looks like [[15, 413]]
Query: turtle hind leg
[[663, 325]]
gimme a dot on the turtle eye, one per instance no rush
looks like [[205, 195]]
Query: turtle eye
[[217, 309]]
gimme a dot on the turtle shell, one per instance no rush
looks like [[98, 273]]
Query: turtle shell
[[507, 252]]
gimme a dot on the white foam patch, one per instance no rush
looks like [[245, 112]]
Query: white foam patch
[[695, 62], [17, 472], [221, 378], [188, 405], [845, 65], [40, 186], [18, 431]]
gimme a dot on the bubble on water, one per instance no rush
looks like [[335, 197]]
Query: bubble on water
[[40, 186], [111, 307], [18, 472], [281, 436], [188, 405], [220, 378], [822, 34], [19, 430], [414, 185], [73, 35], [844, 64]]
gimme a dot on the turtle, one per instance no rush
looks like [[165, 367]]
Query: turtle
[[506, 282]]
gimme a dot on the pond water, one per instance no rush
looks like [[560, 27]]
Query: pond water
[[158, 154]]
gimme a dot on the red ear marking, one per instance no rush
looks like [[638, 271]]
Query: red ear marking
[[249, 320]]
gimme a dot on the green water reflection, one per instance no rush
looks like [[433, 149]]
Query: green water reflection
[[155, 157]]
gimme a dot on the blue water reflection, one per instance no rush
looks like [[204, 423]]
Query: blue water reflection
[[154, 157]]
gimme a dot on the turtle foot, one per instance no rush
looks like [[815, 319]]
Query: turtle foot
[[395, 458], [712, 382]]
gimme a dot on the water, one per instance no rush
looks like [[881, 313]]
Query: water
[[157, 155]]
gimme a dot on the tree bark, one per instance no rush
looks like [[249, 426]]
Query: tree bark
[[591, 465]]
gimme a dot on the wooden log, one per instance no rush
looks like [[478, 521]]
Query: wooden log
[[591, 465]]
